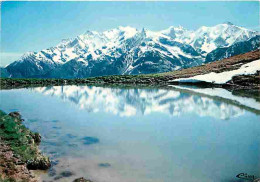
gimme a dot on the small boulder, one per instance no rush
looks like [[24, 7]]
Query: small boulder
[[36, 137], [82, 180], [17, 116], [66, 174], [41, 162]]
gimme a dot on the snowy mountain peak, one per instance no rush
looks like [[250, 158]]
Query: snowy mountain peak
[[26, 55], [175, 32], [127, 50], [206, 39], [128, 31]]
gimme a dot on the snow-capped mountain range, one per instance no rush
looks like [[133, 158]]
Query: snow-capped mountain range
[[126, 50]]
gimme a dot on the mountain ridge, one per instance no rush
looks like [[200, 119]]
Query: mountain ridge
[[126, 50], [237, 72]]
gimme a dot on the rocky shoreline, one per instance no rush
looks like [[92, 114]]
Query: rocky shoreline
[[19, 150]]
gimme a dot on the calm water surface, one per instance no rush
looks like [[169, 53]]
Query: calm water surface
[[141, 135]]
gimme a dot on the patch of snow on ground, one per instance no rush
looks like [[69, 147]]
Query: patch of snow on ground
[[224, 77]]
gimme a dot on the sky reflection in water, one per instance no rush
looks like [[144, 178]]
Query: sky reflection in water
[[155, 135]]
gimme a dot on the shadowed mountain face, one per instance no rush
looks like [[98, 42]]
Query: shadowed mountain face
[[235, 49], [126, 50], [131, 102]]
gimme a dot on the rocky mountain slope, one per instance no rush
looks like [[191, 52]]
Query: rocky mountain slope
[[235, 49], [126, 50], [237, 72]]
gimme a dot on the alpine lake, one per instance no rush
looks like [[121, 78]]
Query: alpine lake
[[110, 134]]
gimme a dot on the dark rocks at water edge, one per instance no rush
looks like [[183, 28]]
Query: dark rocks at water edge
[[19, 150], [40, 162], [37, 138], [16, 116], [64, 174], [82, 180]]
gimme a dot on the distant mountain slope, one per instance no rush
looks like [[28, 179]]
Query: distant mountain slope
[[236, 72], [126, 50], [227, 64], [4, 73], [235, 49]]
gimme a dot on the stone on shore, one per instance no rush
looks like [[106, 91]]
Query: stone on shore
[[82, 180]]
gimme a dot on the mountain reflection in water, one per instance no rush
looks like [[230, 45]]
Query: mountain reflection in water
[[142, 134], [131, 102]]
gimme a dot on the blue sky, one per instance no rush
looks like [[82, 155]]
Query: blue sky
[[32, 26]]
